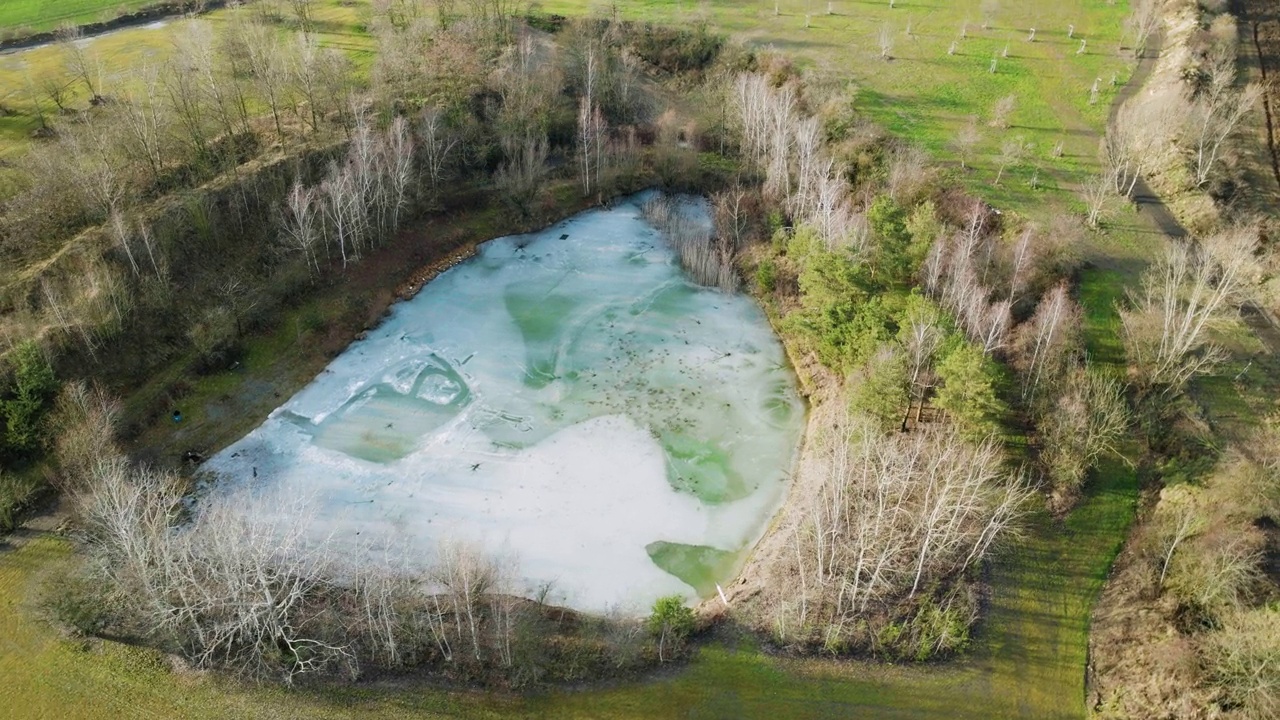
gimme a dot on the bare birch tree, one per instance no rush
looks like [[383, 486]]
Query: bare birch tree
[[1096, 192], [893, 511], [398, 167], [1182, 296], [78, 63], [1211, 122], [437, 143], [1049, 343], [302, 224]]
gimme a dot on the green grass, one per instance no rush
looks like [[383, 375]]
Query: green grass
[[31, 16], [925, 95]]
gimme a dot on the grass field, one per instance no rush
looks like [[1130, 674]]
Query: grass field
[[1029, 656], [926, 95], [30, 16]]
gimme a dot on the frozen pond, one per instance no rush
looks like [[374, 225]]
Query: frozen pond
[[566, 398]]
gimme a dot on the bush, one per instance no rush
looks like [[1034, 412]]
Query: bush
[[77, 601], [17, 494], [880, 389], [676, 50], [767, 276], [27, 401], [968, 391], [1243, 660], [671, 623]]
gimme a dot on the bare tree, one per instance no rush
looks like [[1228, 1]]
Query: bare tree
[[1212, 120], [437, 143], [76, 58], [34, 98], [270, 65], [1085, 421], [1179, 517], [84, 423], [1002, 111], [302, 224], [521, 177], [1049, 343], [183, 88], [732, 215], [240, 580], [1012, 153], [1143, 22], [893, 511], [1182, 295], [58, 89], [592, 134], [103, 181], [302, 13], [146, 122], [1096, 192], [908, 173], [342, 211], [966, 140], [120, 233], [398, 167]]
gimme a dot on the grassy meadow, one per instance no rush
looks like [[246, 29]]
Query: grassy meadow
[[926, 95], [1029, 655], [31, 16]]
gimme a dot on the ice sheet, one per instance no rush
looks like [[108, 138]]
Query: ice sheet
[[574, 402]]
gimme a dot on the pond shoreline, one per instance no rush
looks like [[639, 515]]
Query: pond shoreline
[[624, 444]]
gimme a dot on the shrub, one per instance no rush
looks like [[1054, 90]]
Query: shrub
[[34, 386], [676, 50], [1243, 659], [17, 493], [968, 391], [767, 276], [671, 623]]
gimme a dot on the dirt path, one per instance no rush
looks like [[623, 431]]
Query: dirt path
[[1148, 203], [1152, 206], [1260, 28]]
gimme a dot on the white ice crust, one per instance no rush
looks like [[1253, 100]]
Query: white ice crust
[[530, 400]]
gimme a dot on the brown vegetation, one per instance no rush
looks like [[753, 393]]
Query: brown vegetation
[[1186, 627]]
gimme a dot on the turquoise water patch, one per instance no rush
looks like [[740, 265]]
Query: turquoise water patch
[[384, 421], [698, 566], [702, 468]]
